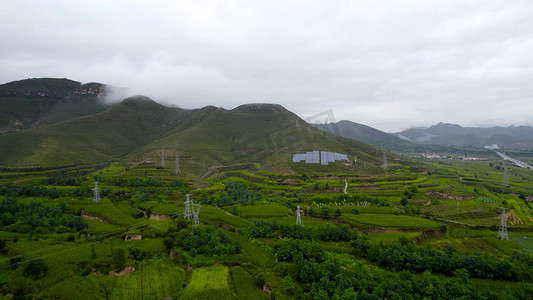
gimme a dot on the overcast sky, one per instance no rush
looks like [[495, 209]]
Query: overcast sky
[[387, 64]]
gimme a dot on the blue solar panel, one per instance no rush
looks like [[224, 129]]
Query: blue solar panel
[[322, 157], [331, 157]]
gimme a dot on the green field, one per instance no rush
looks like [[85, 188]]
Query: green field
[[263, 211], [208, 283], [245, 286], [391, 221]]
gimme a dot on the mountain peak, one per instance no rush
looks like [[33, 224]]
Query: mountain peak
[[138, 99], [260, 107]]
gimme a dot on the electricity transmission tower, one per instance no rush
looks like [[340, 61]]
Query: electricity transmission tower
[[177, 167], [299, 216], [385, 166], [162, 158], [502, 231], [195, 213], [505, 180], [96, 195], [187, 214]]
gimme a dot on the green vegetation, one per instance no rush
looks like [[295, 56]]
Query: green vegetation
[[245, 285], [208, 283], [424, 230]]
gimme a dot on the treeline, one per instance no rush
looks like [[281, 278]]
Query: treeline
[[65, 180], [22, 218], [234, 193], [135, 182], [273, 229], [405, 255], [205, 240], [29, 190], [321, 275]]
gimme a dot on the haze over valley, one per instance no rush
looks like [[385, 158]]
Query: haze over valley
[[266, 150]]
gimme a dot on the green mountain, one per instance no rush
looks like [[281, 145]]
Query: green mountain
[[37, 102], [365, 134], [266, 134], [90, 139], [68, 127], [512, 137]]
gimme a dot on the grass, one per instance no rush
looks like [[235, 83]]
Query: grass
[[214, 214], [105, 210], [263, 211], [208, 283], [244, 285], [390, 236]]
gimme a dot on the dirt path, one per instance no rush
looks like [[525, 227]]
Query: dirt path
[[126, 270], [159, 217], [87, 217], [345, 185]]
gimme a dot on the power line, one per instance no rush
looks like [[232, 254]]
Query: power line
[[177, 167], [505, 179]]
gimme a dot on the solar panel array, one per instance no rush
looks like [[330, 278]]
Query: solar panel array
[[319, 157]]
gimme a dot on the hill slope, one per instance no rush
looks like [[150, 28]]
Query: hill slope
[[266, 134], [90, 139], [365, 134]]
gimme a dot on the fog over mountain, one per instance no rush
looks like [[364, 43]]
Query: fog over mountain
[[387, 64]]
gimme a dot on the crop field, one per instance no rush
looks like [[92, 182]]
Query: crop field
[[526, 243], [391, 236], [244, 285], [208, 283], [215, 214], [104, 210], [254, 252], [154, 279], [451, 203], [77, 287], [391, 221]]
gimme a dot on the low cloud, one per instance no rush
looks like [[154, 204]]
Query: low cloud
[[387, 64]]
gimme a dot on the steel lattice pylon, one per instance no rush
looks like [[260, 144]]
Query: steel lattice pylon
[[177, 167], [502, 231], [187, 214], [505, 180], [298, 216], [96, 195], [196, 213]]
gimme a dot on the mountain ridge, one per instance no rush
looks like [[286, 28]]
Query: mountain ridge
[[138, 128], [511, 137]]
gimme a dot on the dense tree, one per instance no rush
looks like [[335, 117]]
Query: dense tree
[[24, 218], [207, 240], [119, 258], [35, 269]]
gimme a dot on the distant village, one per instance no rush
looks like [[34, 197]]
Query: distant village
[[460, 157]]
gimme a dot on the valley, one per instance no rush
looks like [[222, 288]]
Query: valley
[[374, 224]]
